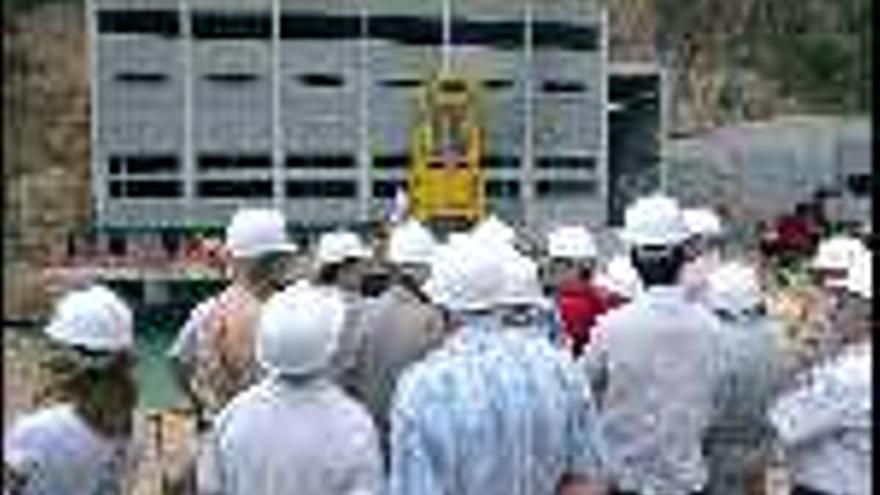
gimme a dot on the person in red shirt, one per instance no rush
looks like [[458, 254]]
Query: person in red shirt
[[797, 234], [573, 257]]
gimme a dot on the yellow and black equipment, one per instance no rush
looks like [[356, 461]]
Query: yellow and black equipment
[[445, 178]]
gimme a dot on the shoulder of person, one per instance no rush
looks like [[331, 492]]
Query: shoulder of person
[[35, 434], [51, 420]]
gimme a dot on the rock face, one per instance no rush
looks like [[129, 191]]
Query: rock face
[[46, 145]]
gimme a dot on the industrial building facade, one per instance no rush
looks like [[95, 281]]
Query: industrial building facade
[[201, 106]]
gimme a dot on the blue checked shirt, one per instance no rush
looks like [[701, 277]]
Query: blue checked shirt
[[493, 411]]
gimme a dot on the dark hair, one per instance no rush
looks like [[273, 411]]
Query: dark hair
[[659, 265], [270, 266], [328, 274]]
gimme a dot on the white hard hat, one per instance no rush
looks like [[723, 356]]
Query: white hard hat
[[571, 242], [255, 232], [702, 222], [837, 253], [94, 319], [620, 277], [466, 275], [654, 220], [522, 285], [859, 279], [734, 288], [337, 246], [493, 230], [299, 329], [411, 242]]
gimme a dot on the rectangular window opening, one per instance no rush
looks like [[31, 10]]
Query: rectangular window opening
[[327, 189], [231, 26], [406, 30], [565, 36], [320, 161], [387, 188], [567, 162], [164, 23], [152, 164], [504, 162], [563, 87], [499, 35], [146, 189], [310, 26], [391, 162], [401, 83], [135, 77], [322, 80], [234, 162], [565, 188], [502, 188], [235, 189]]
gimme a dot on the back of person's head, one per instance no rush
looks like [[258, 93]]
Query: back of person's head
[[299, 329], [659, 265]]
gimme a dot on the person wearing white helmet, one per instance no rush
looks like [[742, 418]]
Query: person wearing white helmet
[[835, 258], [704, 249], [522, 303], [339, 258], [213, 353], [294, 431], [492, 230], [738, 443], [84, 444], [573, 258], [400, 326], [494, 410], [653, 363], [824, 423]]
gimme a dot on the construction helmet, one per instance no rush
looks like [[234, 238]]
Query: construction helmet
[[298, 329], [654, 220], [702, 222], [620, 277], [338, 246], [255, 232], [493, 230], [734, 288], [837, 253], [522, 286], [94, 319], [466, 275], [411, 243], [571, 242]]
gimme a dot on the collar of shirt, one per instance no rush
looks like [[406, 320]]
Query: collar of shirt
[[665, 294]]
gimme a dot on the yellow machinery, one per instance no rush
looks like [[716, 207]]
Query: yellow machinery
[[445, 178]]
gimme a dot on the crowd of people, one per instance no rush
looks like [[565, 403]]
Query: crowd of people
[[480, 369]]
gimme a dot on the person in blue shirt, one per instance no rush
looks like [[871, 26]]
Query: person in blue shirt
[[496, 409]]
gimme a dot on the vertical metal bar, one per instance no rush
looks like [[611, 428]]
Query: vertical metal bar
[[189, 169], [99, 175], [665, 90], [446, 49], [528, 153], [277, 138], [604, 78], [364, 157]]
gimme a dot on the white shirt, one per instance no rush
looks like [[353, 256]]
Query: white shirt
[[654, 366], [280, 438], [825, 425], [58, 454]]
